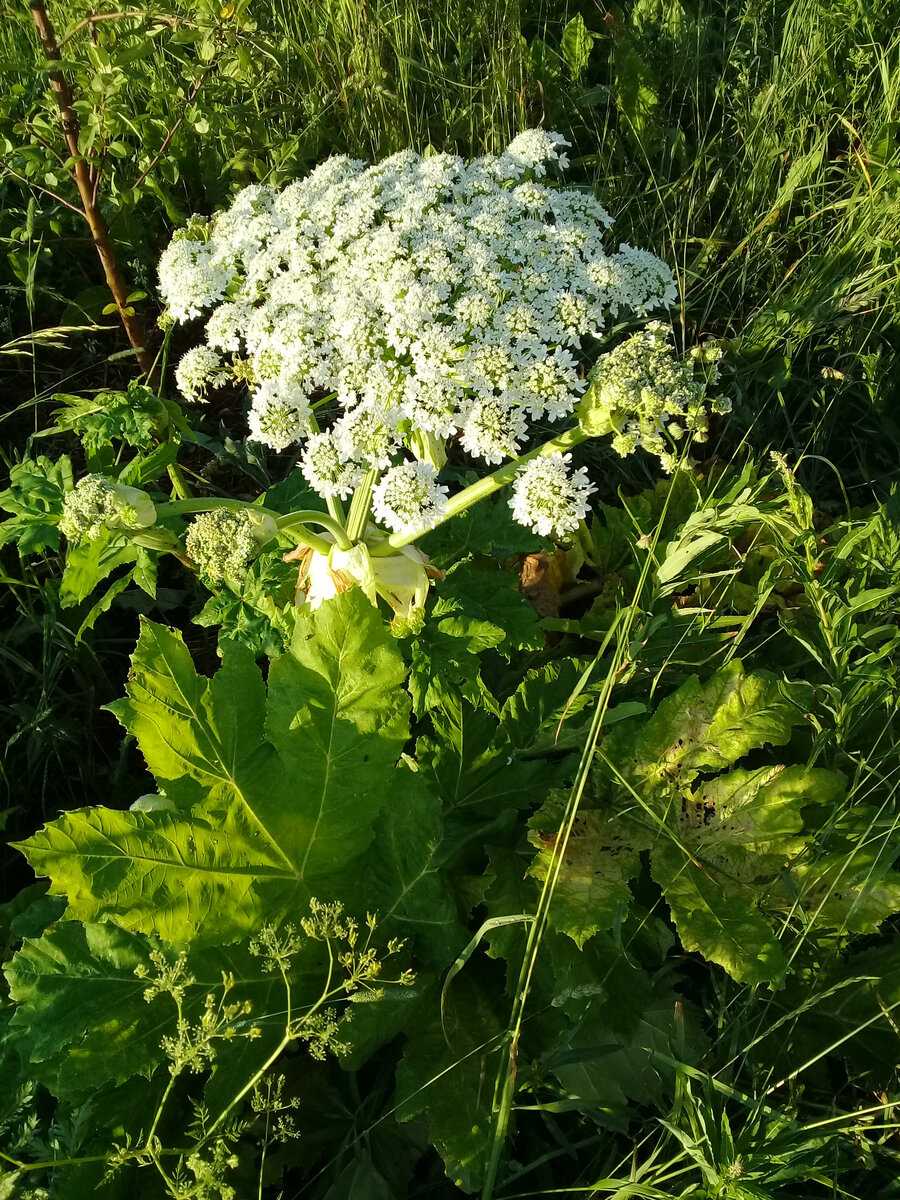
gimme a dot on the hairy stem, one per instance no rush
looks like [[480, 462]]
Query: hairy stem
[[359, 506]]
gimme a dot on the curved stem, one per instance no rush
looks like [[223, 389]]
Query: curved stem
[[293, 523], [309, 516], [492, 483]]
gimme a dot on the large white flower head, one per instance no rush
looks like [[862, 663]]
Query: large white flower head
[[326, 469], [549, 497], [279, 413], [412, 290], [409, 499]]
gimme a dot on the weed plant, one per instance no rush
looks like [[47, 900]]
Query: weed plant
[[755, 147]]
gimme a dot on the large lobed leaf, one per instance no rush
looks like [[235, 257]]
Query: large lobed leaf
[[270, 797], [739, 856]]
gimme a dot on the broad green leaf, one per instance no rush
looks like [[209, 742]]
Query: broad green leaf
[[478, 763], [339, 718], [721, 863], [852, 890], [622, 1050], [591, 892], [450, 1085], [636, 93], [401, 876], [81, 1018], [575, 45], [483, 607], [730, 851], [35, 495], [704, 726], [194, 733], [749, 823], [180, 877], [89, 563], [258, 825], [727, 928]]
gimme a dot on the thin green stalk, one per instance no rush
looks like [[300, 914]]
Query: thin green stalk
[[505, 1085], [491, 483], [359, 507]]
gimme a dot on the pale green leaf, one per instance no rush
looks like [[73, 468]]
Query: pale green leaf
[[591, 891], [728, 929], [259, 826]]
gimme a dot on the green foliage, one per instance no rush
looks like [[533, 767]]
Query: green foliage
[[268, 799], [35, 498], [719, 971]]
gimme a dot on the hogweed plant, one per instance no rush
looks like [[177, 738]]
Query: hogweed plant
[[428, 302]]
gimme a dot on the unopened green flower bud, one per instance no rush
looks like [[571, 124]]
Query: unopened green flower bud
[[223, 543], [96, 503]]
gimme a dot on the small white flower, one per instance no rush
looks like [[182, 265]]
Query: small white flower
[[409, 499], [193, 276], [198, 371], [367, 435], [550, 498], [492, 429], [326, 469], [279, 413]]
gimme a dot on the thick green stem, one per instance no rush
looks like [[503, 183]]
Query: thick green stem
[[359, 507], [490, 484], [179, 484]]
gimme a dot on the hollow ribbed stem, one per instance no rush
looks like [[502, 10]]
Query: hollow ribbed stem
[[359, 506], [490, 484]]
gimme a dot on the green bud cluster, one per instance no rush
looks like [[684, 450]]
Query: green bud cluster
[[223, 543], [654, 398], [96, 504]]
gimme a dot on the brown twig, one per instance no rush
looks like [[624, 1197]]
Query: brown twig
[[39, 188], [85, 184], [128, 14]]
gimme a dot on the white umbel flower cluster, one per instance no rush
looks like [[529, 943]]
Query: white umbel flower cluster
[[198, 371], [409, 499], [435, 299], [325, 468], [549, 497]]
